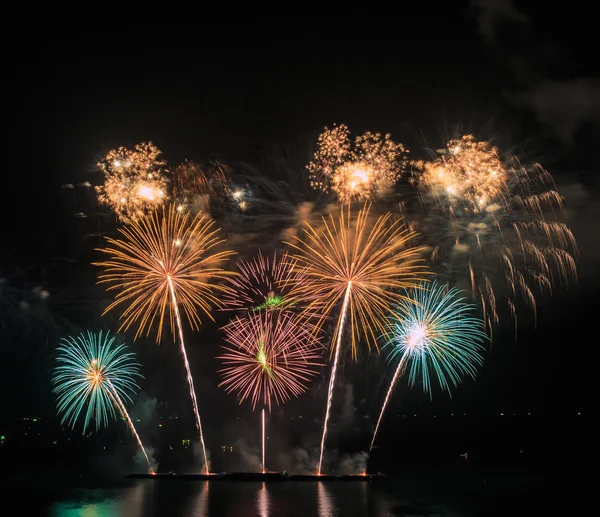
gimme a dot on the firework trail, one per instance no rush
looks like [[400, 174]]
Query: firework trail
[[496, 222], [355, 170], [119, 403], [263, 283], [433, 330], [166, 260], [92, 373], [362, 264], [263, 440], [333, 373], [135, 181], [269, 355]]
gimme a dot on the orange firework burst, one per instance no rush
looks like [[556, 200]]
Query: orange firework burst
[[355, 258], [468, 174], [352, 262], [494, 221], [356, 169], [134, 181], [269, 356], [166, 251], [166, 260]]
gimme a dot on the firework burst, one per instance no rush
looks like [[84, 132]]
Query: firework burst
[[348, 261], [90, 372], [263, 283], [495, 222], [168, 251], [434, 333], [356, 258], [135, 181], [355, 169], [269, 357], [94, 376], [165, 260]]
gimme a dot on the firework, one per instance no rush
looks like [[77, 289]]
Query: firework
[[435, 334], [199, 188], [495, 222], [263, 283], [469, 175], [269, 356], [166, 255], [164, 260], [360, 265], [355, 169], [135, 181], [93, 376], [263, 440], [240, 198]]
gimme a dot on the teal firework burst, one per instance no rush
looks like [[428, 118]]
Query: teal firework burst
[[92, 376], [435, 334]]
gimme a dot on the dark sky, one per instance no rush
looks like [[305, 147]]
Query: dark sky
[[501, 70]]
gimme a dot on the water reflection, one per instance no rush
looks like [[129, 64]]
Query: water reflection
[[133, 502], [385, 506], [93, 503], [263, 502], [325, 503], [148, 498], [199, 507]]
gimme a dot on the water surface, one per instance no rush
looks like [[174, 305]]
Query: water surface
[[422, 494]]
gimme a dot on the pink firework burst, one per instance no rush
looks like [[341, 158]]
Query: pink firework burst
[[263, 283], [269, 356]]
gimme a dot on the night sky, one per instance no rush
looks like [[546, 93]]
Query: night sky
[[491, 67]]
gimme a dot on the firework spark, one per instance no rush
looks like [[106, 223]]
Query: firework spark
[[240, 198], [494, 221], [135, 181], [166, 260], [355, 169], [269, 356], [433, 330], [263, 283], [95, 376], [360, 265]]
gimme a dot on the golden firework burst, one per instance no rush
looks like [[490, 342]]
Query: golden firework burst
[[168, 255], [360, 260]]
